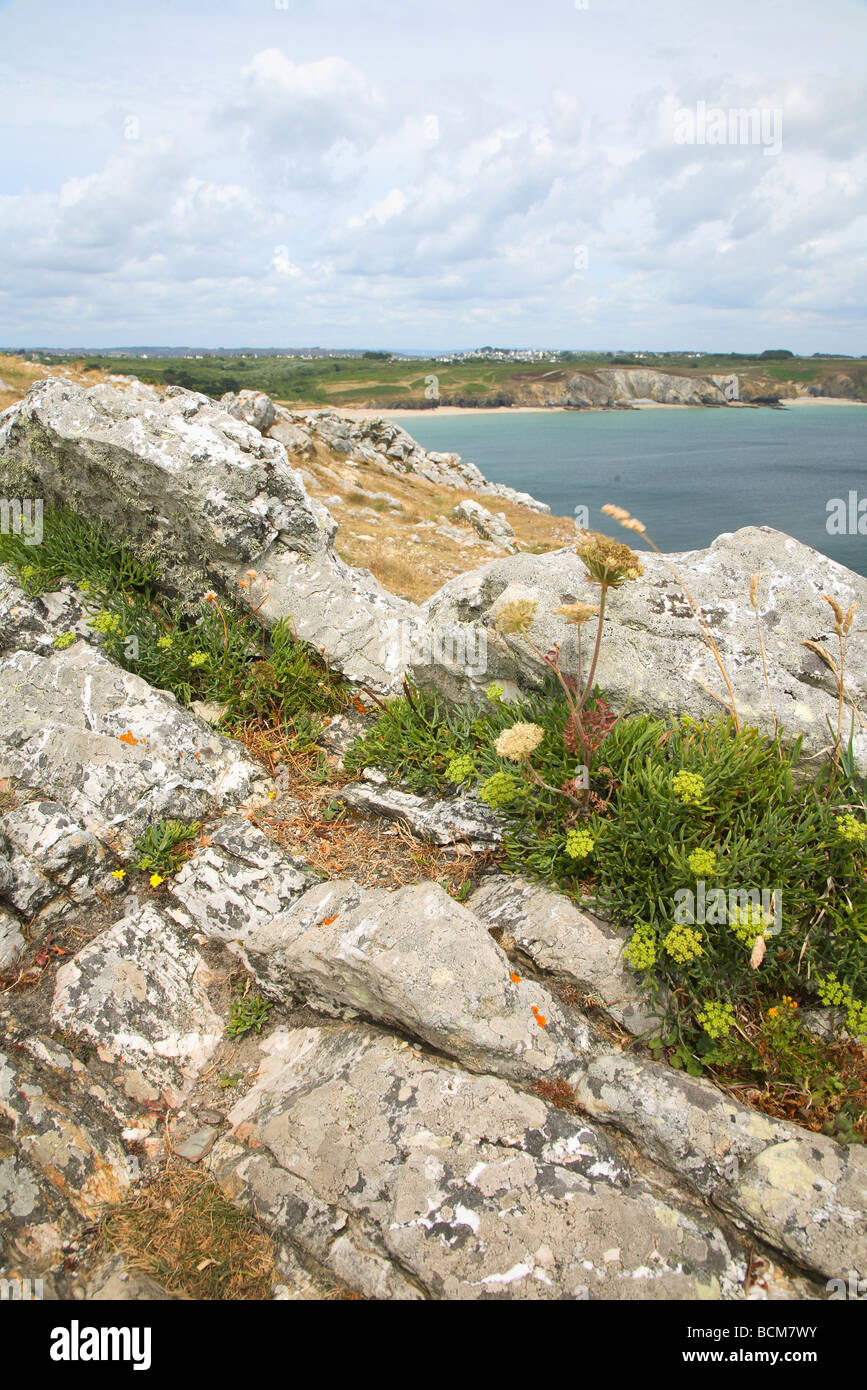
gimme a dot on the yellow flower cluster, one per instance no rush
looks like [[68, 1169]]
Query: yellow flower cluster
[[702, 862], [688, 787], [683, 944], [716, 1019], [748, 924], [579, 843], [640, 952], [853, 831]]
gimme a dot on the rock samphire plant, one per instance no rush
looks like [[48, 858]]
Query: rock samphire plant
[[740, 880]]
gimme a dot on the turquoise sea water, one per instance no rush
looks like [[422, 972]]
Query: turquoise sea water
[[688, 474]]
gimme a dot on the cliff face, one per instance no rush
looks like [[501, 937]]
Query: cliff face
[[613, 387]]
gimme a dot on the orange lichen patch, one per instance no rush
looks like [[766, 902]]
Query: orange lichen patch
[[540, 1018], [129, 738], [516, 979], [326, 921]]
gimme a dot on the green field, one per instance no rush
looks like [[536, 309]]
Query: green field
[[375, 381]]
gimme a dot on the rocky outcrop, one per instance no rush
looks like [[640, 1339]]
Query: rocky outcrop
[[490, 527], [183, 481], [206, 489], [408, 1179], [375, 440], [76, 728], [654, 658], [568, 944], [137, 992], [207, 497], [418, 959], [62, 1156], [439, 1105], [239, 882]]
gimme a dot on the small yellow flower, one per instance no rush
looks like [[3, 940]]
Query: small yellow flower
[[772, 1013], [271, 795], [118, 873], [156, 880]]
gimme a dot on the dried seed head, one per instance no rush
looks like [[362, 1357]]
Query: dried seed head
[[577, 613], [838, 611], [754, 584], [516, 616], [847, 621]]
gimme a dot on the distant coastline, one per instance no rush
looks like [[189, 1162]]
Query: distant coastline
[[414, 413]]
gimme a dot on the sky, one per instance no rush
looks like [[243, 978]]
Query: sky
[[434, 175]]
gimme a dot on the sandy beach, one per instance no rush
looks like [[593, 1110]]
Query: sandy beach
[[406, 413], [819, 400]]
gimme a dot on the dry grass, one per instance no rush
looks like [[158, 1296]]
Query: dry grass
[[183, 1232], [308, 823], [406, 555], [840, 1115], [8, 797], [19, 375]]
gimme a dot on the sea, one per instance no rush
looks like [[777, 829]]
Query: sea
[[688, 474]]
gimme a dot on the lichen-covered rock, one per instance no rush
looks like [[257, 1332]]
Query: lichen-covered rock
[[402, 1175], [418, 959], [62, 1159], [460, 819], [238, 882], [253, 407], [76, 727], [654, 658], [375, 440], [12, 940], [564, 941], [137, 993], [32, 623], [178, 477], [803, 1193], [207, 496], [57, 865], [489, 527]]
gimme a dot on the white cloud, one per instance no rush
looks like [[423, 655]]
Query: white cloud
[[407, 178]]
